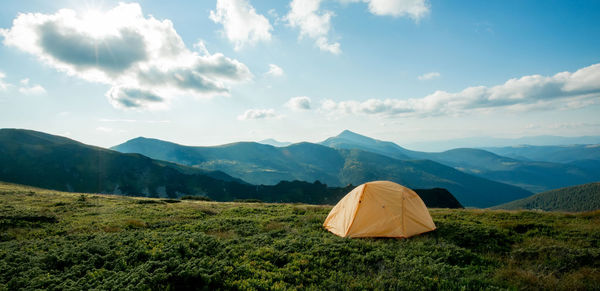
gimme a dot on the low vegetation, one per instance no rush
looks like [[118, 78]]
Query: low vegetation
[[56, 240]]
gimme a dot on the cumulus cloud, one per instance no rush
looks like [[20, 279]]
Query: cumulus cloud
[[429, 76], [274, 70], [241, 24], [126, 50], [313, 23], [299, 103], [257, 114], [563, 90]]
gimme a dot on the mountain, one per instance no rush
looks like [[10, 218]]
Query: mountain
[[483, 142], [576, 198], [58, 163], [275, 143], [253, 162], [535, 176], [555, 154], [49, 161], [263, 164], [350, 140]]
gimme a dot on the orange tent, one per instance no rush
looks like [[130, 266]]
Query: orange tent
[[379, 209]]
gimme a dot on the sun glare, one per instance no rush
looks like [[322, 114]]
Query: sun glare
[[95, 22]]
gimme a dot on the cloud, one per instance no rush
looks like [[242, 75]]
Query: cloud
[[313, 23], [109, 130], [299, 103], [563, 90], [104, 129], [415, 9], [33, 90], [143, 59], [429, 76], [241, 23], [3, 85], [257, 114], [133, 120], [121, 97], [274, 70]]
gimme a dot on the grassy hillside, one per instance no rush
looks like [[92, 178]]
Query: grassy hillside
[[577, 198], [264, 164], [55, 240]]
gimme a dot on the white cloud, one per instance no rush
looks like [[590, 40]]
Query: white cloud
[[316, 23], [313, 23], [142, 58], [563, 90], [429, 76], [241, 24], [415, 9], [257, 114], [133, 120], [104, 129], [3, 85], [274, 70], [109, 129], [33, 90], [299, 103]]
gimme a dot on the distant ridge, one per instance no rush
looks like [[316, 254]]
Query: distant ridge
[[264, 164], [533, 175], [556, 154], [485, 142], [275, 143], [574, 199], [54, 162]]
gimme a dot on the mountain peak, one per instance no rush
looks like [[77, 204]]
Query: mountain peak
[[274, 142], [347, 132]]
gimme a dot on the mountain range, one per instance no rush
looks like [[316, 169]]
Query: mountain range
[[484, 142], [43, 160], [264, 164], [156, 168], [562, 165]]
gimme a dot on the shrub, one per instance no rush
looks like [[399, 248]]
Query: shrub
[[196, 197]]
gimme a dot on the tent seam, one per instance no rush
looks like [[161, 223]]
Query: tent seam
[[356, 211]]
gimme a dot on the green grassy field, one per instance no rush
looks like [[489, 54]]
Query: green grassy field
[[55, 240]]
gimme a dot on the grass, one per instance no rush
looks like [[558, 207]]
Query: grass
[[56, 240]]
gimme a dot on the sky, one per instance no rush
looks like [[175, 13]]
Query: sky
[[214, 72]]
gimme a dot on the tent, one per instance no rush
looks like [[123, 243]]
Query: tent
[[379, 209]]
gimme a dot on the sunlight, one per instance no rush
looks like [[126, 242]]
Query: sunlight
[[95, 22]]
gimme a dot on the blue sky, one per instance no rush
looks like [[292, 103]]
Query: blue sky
[[212, 72]]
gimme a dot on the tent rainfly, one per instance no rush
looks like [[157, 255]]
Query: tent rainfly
[[379, 209]]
